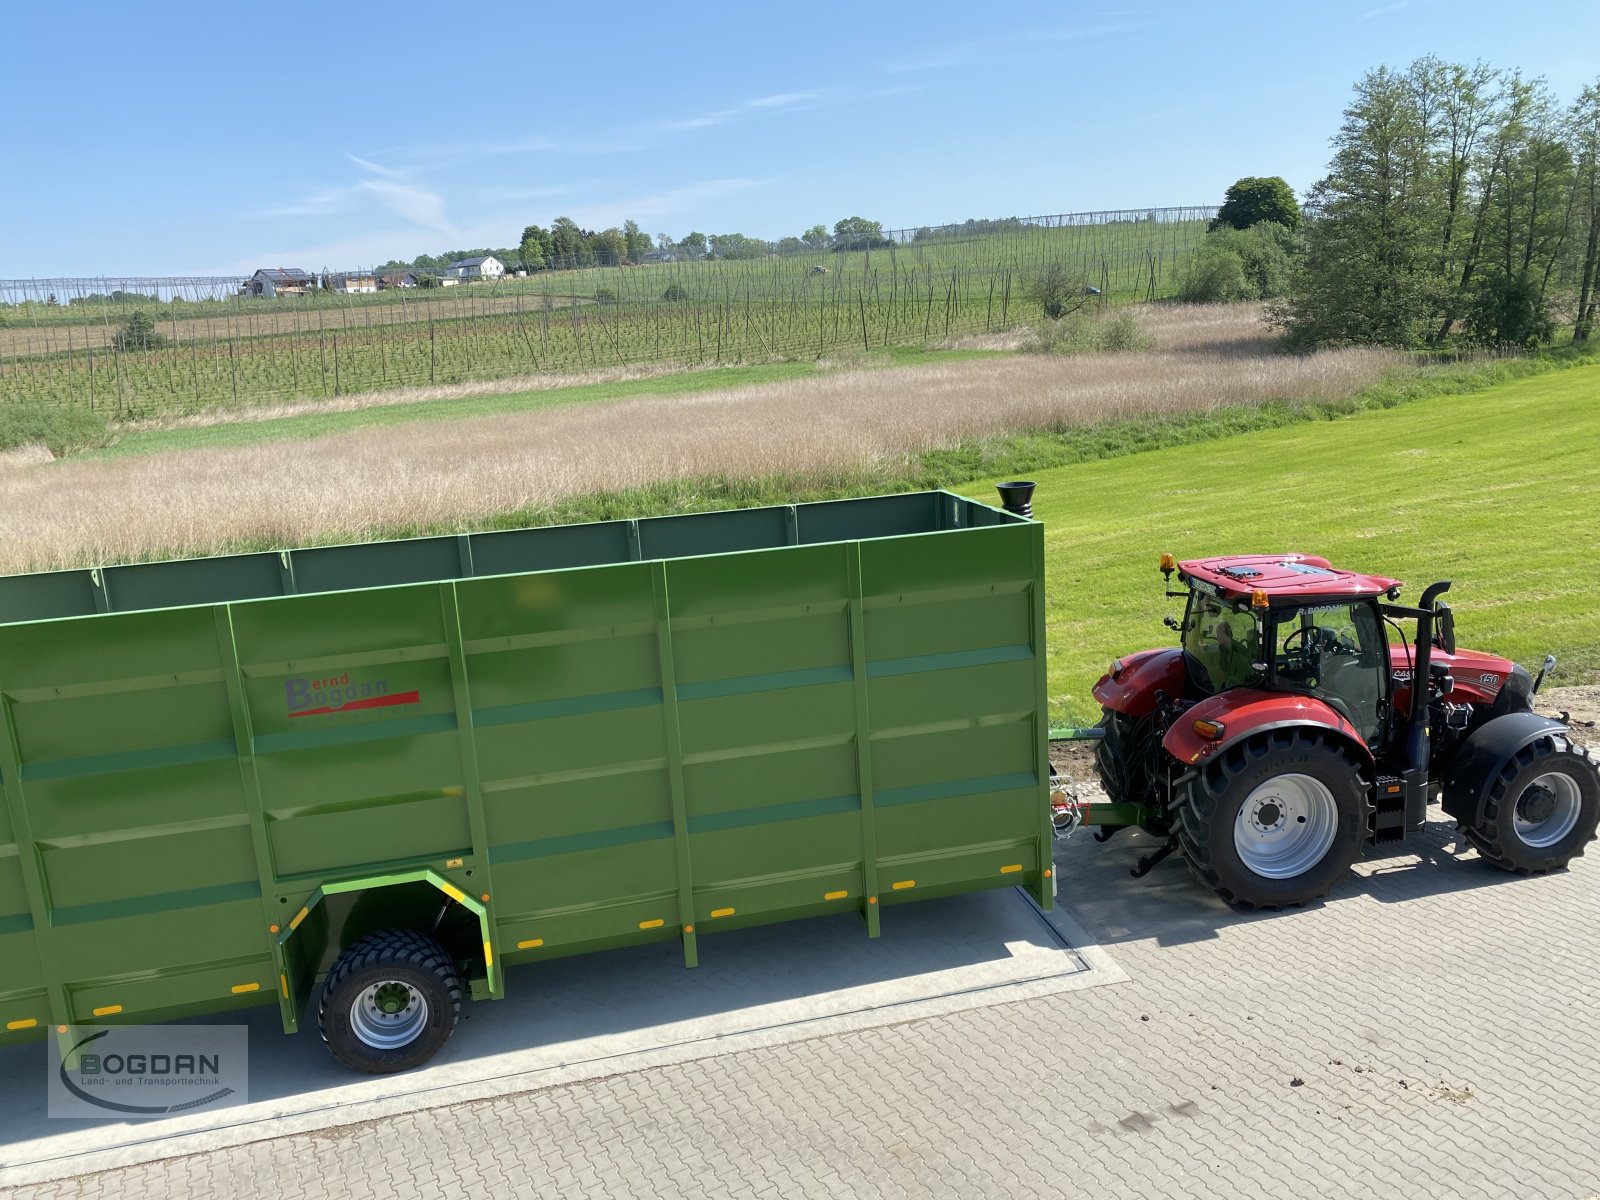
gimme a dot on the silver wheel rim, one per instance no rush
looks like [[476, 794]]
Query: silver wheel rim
[[1286, 826], [389, 1014], [1547, 810]]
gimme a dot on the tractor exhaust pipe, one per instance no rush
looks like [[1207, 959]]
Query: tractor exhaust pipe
[[1418, 742], [1017, 497]]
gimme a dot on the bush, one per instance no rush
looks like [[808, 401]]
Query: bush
[[1241, 264], [1055, 290], [138, 332], [61, 429], [675, 291], [605, 296], [1080, 334], [1508, 310]]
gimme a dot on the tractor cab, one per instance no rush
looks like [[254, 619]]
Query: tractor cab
[[1290, 623]]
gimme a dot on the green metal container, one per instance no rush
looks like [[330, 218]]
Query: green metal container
[[219, 772]]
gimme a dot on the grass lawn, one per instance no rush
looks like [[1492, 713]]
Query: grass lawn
[[310, 425], [1497, 490]]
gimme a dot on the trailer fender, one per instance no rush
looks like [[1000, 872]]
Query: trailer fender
[[1484, 754], [1241, 712], [297, 959]]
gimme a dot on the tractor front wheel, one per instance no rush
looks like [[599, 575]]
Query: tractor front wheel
[[1277, 821], [1542, 809]]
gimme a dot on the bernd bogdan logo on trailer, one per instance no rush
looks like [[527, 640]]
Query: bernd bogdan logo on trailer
[[307, 696]]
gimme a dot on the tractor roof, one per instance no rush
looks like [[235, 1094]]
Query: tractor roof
[[1285, 578]]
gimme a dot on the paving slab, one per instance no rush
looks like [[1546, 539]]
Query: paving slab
[[595, 1015]]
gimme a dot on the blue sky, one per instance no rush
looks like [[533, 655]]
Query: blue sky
[[182, 138]]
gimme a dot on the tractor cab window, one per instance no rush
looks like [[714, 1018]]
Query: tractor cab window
[[1336, 652], [1221, 643]]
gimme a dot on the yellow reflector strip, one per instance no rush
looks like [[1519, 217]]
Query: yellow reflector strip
[[454, 893], [15, 1025], [488, 955], [834, 895], [298, 917], [530, 944], [283, 982], [450, 864], [1011, 870], [722, 912], [656, 924], [240, 988], [109, 1010], [903, 885]]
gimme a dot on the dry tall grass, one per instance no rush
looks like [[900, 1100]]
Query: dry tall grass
[[348, 486]]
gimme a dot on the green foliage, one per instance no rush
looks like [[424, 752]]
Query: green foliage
[[693, 245], [858, 233], [736, 245], [138, 333], [608, 247], [535, 249], [1510, 311], [675, 291], [1241, 264], [1259, 198], [815, 238], [61, 429], [605, 295], [1080, 333], [636, 241]]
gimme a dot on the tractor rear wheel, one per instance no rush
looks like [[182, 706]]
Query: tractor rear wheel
[[1276, 821], [1542, 809]]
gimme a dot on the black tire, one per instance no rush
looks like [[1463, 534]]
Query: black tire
[[1212, 798], [393, 957], [1496, 833], [1111, 755]]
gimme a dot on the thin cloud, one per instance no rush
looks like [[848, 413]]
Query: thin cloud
[[318, 203], [782, 100]]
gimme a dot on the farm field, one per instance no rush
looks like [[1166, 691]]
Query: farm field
[[1494, 490], [221, 350]]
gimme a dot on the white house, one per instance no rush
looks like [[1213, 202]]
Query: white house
[[484, 266], [351, 282]]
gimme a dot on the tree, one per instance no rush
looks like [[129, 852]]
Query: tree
[[737, 245], [138, 332], [815, 238], [1259, 198], [536, 249], [790, 245], [1366, 275], [858, 233], [567, 244], [665, 244], [607, 248], [1056, 291], [1583, 123], [637, 240], [693, 245]]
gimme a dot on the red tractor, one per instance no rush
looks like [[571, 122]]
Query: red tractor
[[1284, 735]]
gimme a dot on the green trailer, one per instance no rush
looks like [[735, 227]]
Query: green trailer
[[395, 769]]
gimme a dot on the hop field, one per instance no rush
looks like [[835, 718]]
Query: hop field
[[213, 350]]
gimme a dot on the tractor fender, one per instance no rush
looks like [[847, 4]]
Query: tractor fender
[[1245, 711], [1131, 689], [1478, 762]]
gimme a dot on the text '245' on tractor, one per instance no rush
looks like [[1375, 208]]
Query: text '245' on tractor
[[1286, 733]]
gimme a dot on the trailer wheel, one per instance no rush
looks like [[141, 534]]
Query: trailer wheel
[[1542, 809], [1277, 821], [390, 1002]]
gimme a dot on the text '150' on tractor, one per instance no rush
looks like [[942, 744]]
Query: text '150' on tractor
[[1288, 731]]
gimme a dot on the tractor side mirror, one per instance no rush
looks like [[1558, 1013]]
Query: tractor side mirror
[[1444, 635]]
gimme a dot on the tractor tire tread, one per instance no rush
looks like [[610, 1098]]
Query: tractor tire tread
[[1197, 813], [405, 947], [1483, 836]]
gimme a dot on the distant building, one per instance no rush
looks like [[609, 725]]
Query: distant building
[[279, 281], [397, 279], [484, 266], [351, 282]]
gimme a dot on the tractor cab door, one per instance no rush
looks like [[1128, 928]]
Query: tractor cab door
[[1221, 645], [1337, 652]]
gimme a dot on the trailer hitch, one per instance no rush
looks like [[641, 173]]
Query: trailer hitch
[[1147, 862]]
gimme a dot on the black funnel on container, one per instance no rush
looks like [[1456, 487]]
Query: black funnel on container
[[1017, 497]]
